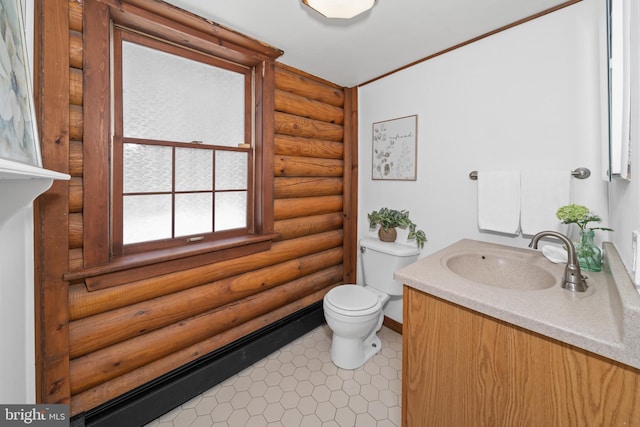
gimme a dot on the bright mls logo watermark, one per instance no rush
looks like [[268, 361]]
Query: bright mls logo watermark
[[34, 415]]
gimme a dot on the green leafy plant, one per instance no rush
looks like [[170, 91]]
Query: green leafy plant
[[392, 218], [579, 215], [588, 253]]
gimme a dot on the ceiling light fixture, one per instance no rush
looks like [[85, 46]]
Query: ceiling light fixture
[[343, 9]]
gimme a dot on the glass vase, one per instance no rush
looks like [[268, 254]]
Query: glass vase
[[589, 254]]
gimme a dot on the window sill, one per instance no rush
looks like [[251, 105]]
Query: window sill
[[129, 268]]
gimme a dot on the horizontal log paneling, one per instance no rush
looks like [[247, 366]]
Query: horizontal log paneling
[[307, 166], [111, 362], [75, 230], [75, 158], [75, 259], [75, 86], [75, 15], [75, 195], [113, 388], [303, 226], [84, 303], [105, 329], [76, 122], [291, 103], [306, 206], [300, 85], [306, 147], [75, 49], [306, 187], [289, 124], [125, 336]]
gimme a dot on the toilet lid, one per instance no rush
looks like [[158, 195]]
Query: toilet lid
[[352, 298]]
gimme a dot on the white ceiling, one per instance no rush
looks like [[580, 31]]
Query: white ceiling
[[349, 52]]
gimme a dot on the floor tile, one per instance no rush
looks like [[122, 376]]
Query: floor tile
[[298, 385]]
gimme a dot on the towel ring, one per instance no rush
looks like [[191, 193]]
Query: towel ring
[[579, 173]]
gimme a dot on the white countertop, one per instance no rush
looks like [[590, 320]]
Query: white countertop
[[604, 320]]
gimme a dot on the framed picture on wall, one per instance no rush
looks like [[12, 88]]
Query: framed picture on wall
[[395, 149], [18, 133]]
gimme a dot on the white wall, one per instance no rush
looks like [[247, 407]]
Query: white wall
[[17, 351], [624, 206], [20, 184], [528, 98]]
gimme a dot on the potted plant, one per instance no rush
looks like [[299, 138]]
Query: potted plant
[[589, 255], [389, 219]]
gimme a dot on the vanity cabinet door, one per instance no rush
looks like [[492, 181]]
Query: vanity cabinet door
[[462, 368]]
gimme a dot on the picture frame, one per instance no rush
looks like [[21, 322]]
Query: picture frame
[[394, 151], [19, 140]]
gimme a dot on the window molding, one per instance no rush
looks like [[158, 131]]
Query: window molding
[[169, 23], [129, 268]]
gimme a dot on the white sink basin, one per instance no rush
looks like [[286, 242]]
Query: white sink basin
[[502, 270]]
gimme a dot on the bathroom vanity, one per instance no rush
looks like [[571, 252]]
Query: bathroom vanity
[[491, 339]]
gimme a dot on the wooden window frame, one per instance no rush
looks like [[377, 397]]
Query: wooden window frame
[[118, 248], [173, 25]]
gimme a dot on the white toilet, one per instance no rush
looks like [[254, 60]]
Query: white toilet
[[355, 313]]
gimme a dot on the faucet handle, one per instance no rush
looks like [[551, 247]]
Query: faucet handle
[[574, 280]]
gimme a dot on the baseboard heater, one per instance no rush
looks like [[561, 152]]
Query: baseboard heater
[[150, 401]]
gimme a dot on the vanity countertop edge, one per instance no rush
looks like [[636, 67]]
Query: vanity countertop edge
[[605, 320]]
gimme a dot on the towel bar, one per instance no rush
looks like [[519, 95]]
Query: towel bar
[[579, 173]]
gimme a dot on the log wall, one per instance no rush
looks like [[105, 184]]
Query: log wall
[[121, 337]]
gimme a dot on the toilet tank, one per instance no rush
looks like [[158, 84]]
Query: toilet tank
[[381, 259]]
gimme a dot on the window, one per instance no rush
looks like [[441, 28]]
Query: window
[[181, 146], [177, 142]]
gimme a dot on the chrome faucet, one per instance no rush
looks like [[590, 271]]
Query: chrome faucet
[[573, 279]]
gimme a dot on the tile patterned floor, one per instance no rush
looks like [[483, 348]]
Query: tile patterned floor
[[299, 386]]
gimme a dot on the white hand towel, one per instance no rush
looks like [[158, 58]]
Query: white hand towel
[[499, 201], [555, 254], [543, 192]]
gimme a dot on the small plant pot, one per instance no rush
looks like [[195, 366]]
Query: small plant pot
[[388, 235]]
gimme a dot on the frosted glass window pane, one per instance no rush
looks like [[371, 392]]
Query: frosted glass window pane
[[187, 101], [231, 210], [194, 169], [146, 218], [194, 214], [231, 170], [147, 168]]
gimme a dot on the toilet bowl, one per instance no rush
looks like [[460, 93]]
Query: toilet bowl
[[355, 313]]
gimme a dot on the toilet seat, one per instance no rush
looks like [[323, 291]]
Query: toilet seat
[[353, 300]]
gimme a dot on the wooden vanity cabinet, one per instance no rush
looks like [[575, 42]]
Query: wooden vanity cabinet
[[463, 368]]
